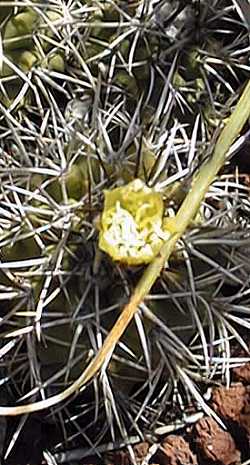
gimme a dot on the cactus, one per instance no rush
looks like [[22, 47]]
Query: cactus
[[111, 117]]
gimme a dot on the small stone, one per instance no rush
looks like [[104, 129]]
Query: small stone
[[122, 457], [234, 405], [242, 373], [229, 402], [175, 451], [215, 444]]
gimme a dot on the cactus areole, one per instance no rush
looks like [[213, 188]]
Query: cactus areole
[[132, 223]]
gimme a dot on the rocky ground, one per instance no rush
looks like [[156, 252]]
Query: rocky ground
[[207, 443]]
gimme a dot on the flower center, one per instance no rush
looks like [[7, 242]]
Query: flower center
[[132, 236]]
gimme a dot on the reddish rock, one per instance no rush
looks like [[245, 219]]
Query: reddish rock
[[141, 450], [122, 457], [215, 444], [175, 451], [242, 373], [245, 417], [230, 403], [234, 404]]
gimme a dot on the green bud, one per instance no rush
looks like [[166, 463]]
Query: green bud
[[54, 62], [75, 183], [19, 29], [47, 30], [178, 80], [27, 60], [23, 59], [124, 80]]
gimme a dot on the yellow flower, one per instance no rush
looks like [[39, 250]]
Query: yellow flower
[[131, 223]]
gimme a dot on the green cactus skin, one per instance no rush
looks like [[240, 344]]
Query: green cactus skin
[[19, 29]]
